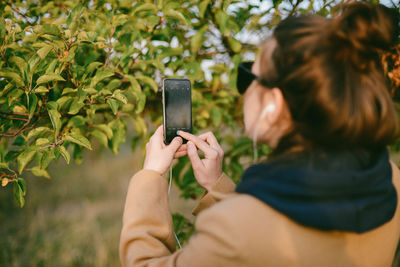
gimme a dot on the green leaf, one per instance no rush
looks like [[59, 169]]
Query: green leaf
[[90, 91], [235, 45], [32, 103], [119, 96], [64, 153], [140, 126], [102, 137], [14, 77], [19, 109], [78, 139], [24, 158], [149, 81], [197, 40], [222, 19], [55, 118], [119, 135], [49, 78], [50, 29], [77, 121], [93, 66], [42, 141], [134, 82], [105, 128], [19, 141], [37, 171], [37, 131], [64, 101], [69, 90], [146, 7], [52, 66], [173, 14], [47, 157], [140, 101], [22, 185], [4, 165], [20, 191], [203, 7], [101, 75], [41, 89], [42, 52], [52, 105], [113, 105], [75, 107], [19, 62]]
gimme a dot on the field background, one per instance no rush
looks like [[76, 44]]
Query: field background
[[73, 219]]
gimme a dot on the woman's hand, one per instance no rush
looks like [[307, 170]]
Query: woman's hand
[[158, 155], [209, 169]]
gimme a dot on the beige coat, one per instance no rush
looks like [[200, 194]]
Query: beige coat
[[239, 230]]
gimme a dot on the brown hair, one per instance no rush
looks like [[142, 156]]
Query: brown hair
[[331, 76]]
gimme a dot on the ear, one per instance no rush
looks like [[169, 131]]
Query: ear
[[273, 101]]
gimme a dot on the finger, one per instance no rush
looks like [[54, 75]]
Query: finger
[[180, 154], [193, 156], [210, 138], [174, 145], [182, 148], [202, 145]]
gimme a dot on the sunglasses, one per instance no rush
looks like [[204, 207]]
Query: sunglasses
[[246, 77]]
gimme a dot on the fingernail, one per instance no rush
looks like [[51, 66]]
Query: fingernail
[[178, 132]]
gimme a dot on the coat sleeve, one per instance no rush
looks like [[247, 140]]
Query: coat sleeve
[[222, 188], [147, 236]]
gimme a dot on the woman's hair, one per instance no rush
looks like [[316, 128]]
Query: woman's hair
[[331, 76]]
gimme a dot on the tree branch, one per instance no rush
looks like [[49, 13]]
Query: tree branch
[[14, 113], [13, 118], [23, 128]]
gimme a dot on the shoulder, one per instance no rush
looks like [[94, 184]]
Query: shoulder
[[396, 183], [244, 222], [240, 208], [395, 173]]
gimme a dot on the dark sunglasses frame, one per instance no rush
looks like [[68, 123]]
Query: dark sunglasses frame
[[245, 77]]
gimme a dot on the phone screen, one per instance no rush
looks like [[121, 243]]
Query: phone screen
[[177, 107]]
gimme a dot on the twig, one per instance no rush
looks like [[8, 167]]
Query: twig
[[14, 113], [3, 54], [119, 114], [109, 48], [294, 8], [13, 118], [23, 128]]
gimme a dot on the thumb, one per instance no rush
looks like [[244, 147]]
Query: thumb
[[175, 144]]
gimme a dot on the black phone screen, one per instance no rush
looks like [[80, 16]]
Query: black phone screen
[[177, 107]]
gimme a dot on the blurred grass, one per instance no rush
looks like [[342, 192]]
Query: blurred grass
[[75, 218]]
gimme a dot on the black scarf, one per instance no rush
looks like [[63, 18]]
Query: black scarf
[[346, 190]]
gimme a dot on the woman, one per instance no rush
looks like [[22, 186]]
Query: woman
[[327, 196]]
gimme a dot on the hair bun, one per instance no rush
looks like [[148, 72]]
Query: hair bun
[[366, 27]]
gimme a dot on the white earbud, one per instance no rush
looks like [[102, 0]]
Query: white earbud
[[266, 110]]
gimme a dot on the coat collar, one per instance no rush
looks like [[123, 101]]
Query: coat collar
[[346, 190]]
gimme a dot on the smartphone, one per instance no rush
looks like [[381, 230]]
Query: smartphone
[[177, 107]]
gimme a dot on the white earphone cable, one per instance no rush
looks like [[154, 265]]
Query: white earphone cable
[[169, 190], [170, 179], [255, 135]]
